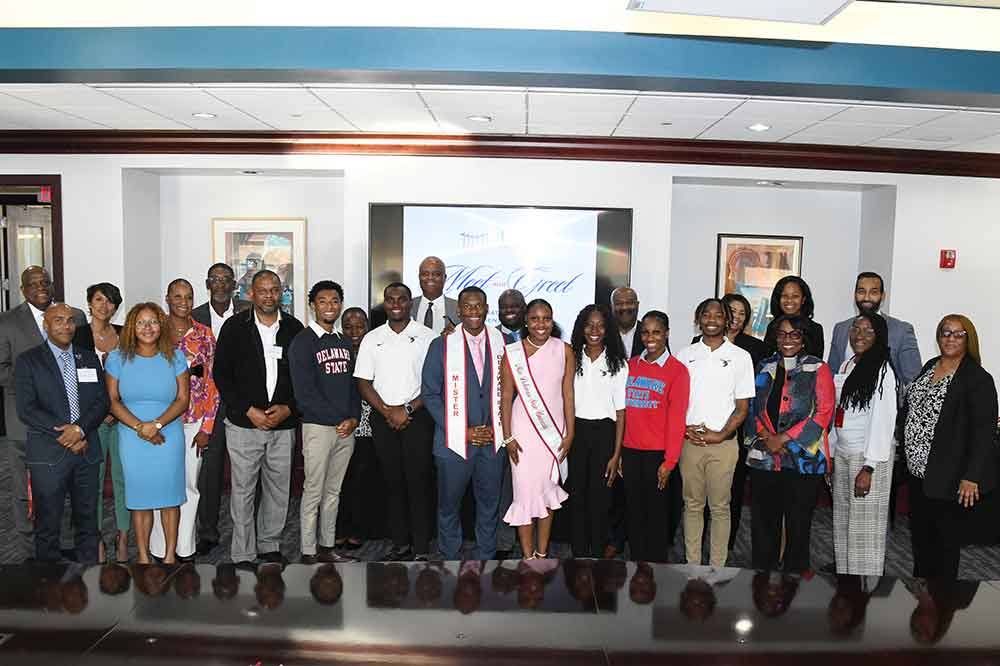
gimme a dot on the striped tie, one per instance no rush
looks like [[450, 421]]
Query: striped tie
[[72, 393]]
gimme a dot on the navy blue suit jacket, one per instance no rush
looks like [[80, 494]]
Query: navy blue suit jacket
[[432, 391], [42, 403]]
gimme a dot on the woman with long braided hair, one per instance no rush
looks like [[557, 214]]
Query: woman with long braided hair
[[863, 424]]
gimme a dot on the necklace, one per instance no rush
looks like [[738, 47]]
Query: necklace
[[103, 336], [528, 340]]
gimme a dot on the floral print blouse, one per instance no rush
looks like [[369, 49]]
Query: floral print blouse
[[925, 399], [198, 347]]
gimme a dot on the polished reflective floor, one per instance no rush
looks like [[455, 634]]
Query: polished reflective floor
[[541, 611]]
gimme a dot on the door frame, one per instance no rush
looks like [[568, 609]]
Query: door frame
[[55, 182]]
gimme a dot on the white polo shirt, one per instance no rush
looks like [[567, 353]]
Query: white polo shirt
[[597, 393], [394, 362], [718, 379]]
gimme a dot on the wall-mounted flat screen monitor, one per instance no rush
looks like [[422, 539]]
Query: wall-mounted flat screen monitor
[[571, 257]]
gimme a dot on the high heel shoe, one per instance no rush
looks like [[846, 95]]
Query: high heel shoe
[[539, 556]]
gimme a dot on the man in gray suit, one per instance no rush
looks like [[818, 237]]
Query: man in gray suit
[[21, 329], [869, 290], [433, 309]]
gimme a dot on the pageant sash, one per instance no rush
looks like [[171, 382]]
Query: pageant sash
[[456, 408], [538, 412]]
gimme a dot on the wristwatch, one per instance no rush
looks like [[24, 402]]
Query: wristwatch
[[409, 408], [869, 469], [157, 424]]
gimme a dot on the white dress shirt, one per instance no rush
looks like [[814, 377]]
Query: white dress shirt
[[867, 432], [394, 362], [217, 319], [268, 337], [39, 316], [718, 379], [439, 313], [597, 393], [627, 339]]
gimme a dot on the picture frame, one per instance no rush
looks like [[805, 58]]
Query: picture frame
[[251, 244], [751, 265]]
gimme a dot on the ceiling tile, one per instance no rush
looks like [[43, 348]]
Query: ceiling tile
[[890, 142], [842, 133], [33, 116], [567, 108], [815, 11], [284, 108], [569, 130], [954, 128], [771, 112], [380, 110], [679, 128], [889, 115], [488, 103], [731, 129], [667, 108], [509, 123], [181, 103]]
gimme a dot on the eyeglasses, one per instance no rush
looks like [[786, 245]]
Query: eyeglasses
[[147, 323], [865, 332], [790, 335], [948, 333], [215, 279]]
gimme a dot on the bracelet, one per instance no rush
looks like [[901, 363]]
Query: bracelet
[[507, 441]]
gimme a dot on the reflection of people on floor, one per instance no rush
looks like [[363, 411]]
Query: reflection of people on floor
[[698, 600], [187, 583], [226, 584], [579, 577], [114, 579], [270, 587], [151, 579], [429, 586], [773, 592], [937, 601], [388, 584], [326, 585], [468, 587], [850, 603], [504, 579], [534, 575], [642, 587]]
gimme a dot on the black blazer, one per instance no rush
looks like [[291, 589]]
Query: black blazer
[[963, 446], [815, 344], [202, 315], [84, 336], [42, 404], [239, 371]]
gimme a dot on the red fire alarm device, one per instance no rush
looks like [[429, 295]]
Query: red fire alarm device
[[948, 258], [45, 194]]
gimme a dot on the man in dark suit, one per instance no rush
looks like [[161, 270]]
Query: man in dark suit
[[625, 304], [432, 308], [21, 329], [476, 459], [221, 305], [61, 401], [512, 310]]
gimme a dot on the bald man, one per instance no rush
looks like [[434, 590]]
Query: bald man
[[21, 329], [625, 304], [61, 401], [432, 308]]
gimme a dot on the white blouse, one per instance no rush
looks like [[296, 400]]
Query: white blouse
[[598, 394], [867, 432]]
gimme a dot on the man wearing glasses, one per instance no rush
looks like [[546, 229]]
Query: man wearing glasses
[[221, 305]]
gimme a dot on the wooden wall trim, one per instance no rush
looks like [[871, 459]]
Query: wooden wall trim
[[672, 151]]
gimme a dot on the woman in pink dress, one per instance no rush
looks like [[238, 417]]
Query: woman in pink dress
[[536, 464]]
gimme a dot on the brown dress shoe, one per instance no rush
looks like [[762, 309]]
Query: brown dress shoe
[[610, 552]]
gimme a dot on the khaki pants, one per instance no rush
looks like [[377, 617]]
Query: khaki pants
[[707, 472], [326, 456]]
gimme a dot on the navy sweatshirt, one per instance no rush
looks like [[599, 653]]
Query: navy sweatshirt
[[323, 378]]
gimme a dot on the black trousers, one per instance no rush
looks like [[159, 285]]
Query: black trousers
[[736, 500], [406, 462], [213, 464], [933, 534], [653, 514], [50, 485], [782, 497], [589, 495], [362, 497]]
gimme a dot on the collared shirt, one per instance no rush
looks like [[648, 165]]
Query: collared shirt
[[475, 343], [268, 337], [439, 313], [39, 316], [320, 331], [515, 335], [198, 347], [598, 394], [628, 338], [217, 319], [660, 361], [394, 362], [718, 379], [58, 353]]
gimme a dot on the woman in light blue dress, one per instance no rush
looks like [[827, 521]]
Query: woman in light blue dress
[[148, 385]]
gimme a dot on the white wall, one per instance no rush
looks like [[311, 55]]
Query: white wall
[[141, 239], [932, 212], [829, 222], [878, 228]]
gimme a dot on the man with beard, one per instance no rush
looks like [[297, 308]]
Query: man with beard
[[625, 303], [20, 330], [869, 291], [460, 378], [252, 375], [323, 378], [433, 309], [511, 308], [221, 305]]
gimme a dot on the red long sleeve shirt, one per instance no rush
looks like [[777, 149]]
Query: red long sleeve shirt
[[656, 402]]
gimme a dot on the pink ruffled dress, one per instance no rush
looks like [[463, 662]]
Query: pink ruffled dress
[[534, 491]]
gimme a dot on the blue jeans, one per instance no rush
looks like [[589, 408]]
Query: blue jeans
[[485, 469], [49, 485]]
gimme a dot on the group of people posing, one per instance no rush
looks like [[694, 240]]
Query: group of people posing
[[511, 419]]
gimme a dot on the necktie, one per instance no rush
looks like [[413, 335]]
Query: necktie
[[476, 349], [429, 315], [69, 379]]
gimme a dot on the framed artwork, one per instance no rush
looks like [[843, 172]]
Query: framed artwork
[[751, 266], [251, 244]]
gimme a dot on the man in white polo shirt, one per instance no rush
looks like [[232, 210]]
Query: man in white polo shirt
[[388, 369], [722, 383]]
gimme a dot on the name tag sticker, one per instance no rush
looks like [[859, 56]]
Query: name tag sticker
[[272, 351], [86, 375]]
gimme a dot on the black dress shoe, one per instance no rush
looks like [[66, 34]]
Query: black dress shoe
[[246, 565], [502, 555], [272, 558], [185, 560], [398, 554], [309, 559], [205, 547]]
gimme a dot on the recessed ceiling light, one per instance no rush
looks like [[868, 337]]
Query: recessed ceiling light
[[758, 127], [480, 118], [665, 124], [296, 115], [250, 172], [936, 138], [769, 183], [203, 115]]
